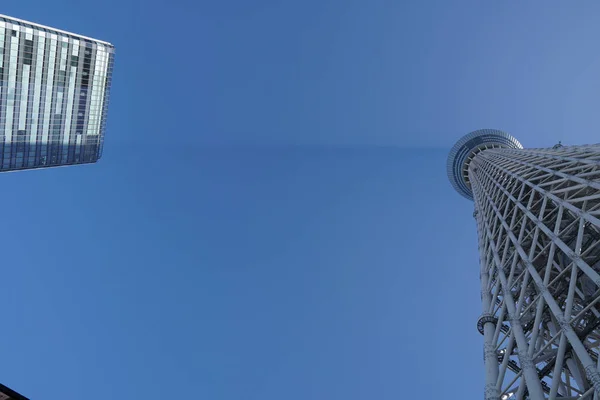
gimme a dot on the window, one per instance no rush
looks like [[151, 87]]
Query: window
[[28, 52]]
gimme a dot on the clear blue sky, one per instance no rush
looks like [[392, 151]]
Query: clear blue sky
[[271, 217]]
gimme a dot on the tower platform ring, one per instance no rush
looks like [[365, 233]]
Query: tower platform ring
[[466, 148]]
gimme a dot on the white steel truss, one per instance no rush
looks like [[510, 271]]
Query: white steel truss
[[538, 221]]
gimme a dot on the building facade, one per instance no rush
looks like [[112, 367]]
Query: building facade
[[54, 89], [538, 219]]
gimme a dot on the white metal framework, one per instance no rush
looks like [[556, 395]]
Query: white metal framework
[[538, 220]]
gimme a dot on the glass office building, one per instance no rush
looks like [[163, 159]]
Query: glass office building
[[54, 88]]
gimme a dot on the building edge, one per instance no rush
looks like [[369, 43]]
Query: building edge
[[12, 395]]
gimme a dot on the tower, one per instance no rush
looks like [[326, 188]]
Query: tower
[[538, 223], [54, 88]]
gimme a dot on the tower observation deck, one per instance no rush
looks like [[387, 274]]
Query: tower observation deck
[[538, 223]]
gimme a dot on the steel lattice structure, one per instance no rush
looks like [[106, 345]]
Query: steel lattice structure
[[538, 221]]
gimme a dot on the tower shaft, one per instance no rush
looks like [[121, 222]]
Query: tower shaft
[[538, 221]]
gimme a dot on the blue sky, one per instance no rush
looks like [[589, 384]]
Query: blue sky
[[271, 217]]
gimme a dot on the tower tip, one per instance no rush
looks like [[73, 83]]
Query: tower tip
[[466, 148]]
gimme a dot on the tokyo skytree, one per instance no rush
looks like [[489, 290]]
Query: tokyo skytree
[[538, 223]]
